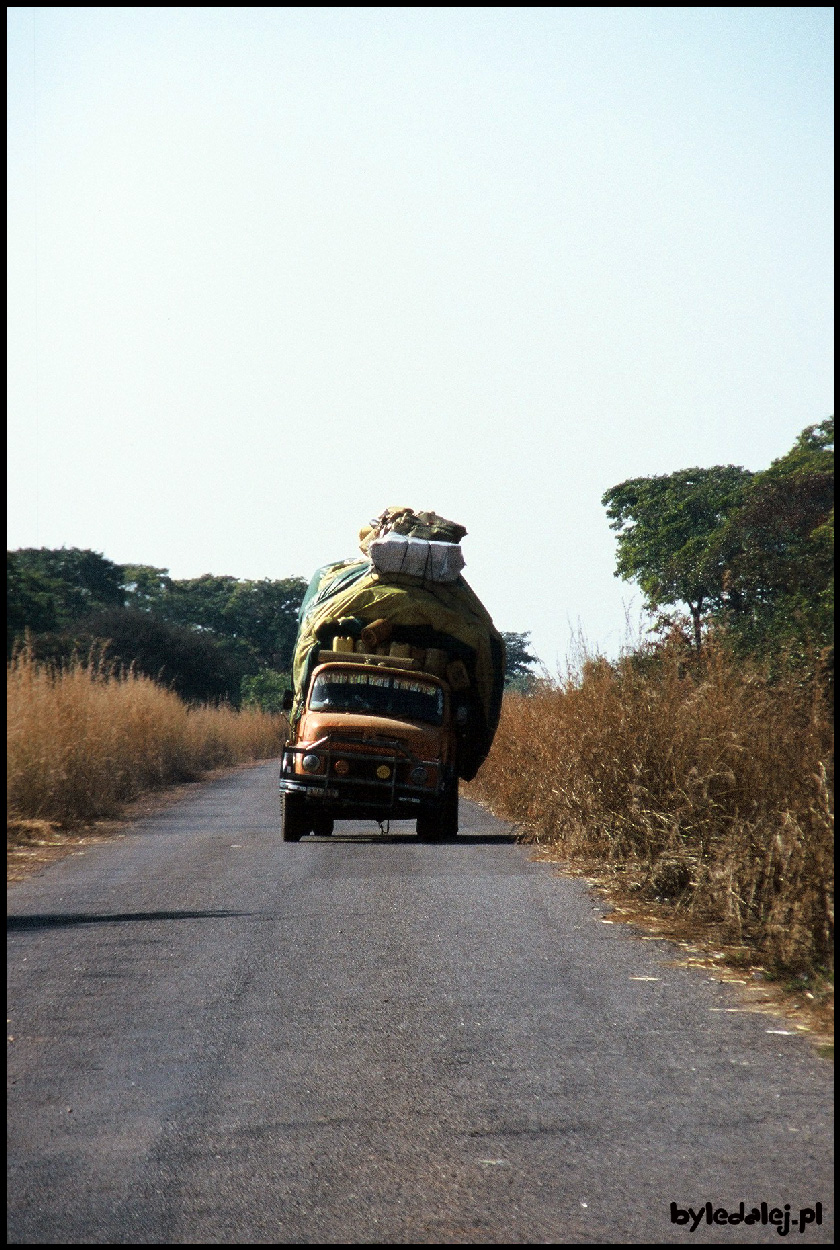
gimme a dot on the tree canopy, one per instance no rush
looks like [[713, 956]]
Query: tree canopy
[[67, 597], [751, 551], [185, 660], [256, 621], [665, 526], [777, 548], [518, 661], [52, 589]]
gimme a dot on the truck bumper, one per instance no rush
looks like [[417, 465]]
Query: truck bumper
[[339, 802], [364, 794]]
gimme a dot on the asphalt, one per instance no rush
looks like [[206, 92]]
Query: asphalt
[[218, 1037]]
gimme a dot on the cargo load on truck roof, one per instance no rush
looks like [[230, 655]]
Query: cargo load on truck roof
[[405, 603], [409, 524]]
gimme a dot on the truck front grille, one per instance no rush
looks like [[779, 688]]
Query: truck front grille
[[355, 763]]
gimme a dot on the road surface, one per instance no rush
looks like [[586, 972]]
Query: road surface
[[219, 1037]]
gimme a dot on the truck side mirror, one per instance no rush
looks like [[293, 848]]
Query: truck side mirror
[[287, 700]]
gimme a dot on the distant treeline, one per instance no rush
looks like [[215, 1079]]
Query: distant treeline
[[208, 638], [204, 637]]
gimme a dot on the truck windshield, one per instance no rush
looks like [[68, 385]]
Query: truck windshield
[[378, 695]]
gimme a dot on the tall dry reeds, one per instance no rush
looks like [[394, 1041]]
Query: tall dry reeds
[[83, 740], [714, 780]]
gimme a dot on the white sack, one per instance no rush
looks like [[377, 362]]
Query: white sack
[[419, 557], [447, 561]]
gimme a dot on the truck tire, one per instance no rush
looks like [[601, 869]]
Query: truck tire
[[293, 820], [441, 822], [322, 824], [428, 827], [450, 811]]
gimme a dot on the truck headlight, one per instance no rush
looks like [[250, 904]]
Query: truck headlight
[[418, 775], [311, 763]]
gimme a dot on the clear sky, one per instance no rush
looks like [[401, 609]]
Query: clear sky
[[272, 270]]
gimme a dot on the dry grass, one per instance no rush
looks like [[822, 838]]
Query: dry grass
[[706, 784], [83, 741]]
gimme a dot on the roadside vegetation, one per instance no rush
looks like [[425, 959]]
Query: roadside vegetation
[[706, 783], [85, 738], [695, 773]]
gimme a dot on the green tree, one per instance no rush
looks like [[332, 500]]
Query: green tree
[[238, 626], [145, 587], [51, 589], [518, 661], [664, 527], [31, 600], [256, 620], [199, 602], [190, 663], [777, 549], [265, 613]]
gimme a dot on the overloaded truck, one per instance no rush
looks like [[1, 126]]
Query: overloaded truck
[[398, 676]]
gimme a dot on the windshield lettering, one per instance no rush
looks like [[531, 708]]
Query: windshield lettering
[[377, 694]]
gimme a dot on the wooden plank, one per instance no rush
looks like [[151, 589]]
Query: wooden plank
[[358, 657]]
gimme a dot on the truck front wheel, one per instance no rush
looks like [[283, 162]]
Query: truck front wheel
[[442, 822], [293, 820], [322, 824]]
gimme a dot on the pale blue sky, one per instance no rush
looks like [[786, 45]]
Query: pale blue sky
[[273, 270]]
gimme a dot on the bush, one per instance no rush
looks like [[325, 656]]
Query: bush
[[187, 661], [82, 740], [702, 770]]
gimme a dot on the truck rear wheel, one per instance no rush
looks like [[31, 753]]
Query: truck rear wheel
[[294, 823]]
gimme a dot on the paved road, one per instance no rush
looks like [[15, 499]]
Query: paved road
[[222, 1038]]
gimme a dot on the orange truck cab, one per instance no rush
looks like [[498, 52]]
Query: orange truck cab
[[375, 740]]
